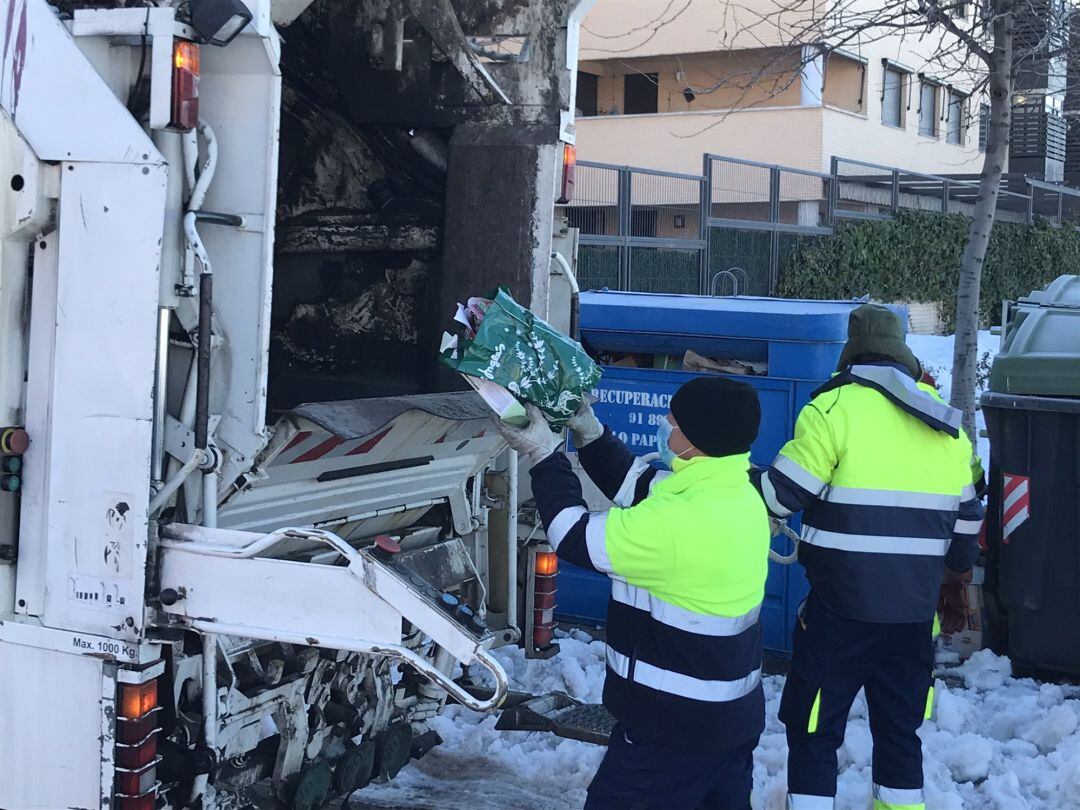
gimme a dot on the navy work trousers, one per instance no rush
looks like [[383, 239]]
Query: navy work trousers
[[833, 658], [637, 774]]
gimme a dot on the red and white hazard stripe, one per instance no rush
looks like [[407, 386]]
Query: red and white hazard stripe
[[314, 445], [307, 446], [1016, 508]]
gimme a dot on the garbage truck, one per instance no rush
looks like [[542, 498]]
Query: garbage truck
[[250, 529]]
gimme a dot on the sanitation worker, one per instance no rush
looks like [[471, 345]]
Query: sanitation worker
[[881, 469], [687, 552]]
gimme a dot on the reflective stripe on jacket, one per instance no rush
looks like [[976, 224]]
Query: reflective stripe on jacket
[[883, 473], [688, 558]]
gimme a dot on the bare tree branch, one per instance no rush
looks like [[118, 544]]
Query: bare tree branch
[[935, 15], [653, 30], [786, 42]]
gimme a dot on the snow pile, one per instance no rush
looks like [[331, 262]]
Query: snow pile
[[478, 767], [995, 742], [936, 355]]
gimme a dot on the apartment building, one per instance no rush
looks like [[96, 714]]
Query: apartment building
[[661, 84], [659, 87]]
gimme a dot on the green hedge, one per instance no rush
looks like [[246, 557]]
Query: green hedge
[[916, 257], [657, 270]]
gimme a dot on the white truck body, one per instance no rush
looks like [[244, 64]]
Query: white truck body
[[194, 610]]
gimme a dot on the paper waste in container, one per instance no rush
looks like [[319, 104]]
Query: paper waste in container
[[510, 356]]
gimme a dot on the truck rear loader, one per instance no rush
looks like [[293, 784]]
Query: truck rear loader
[[250, 529]]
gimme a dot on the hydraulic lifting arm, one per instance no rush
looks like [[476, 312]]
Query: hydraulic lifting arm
[[214, 581]]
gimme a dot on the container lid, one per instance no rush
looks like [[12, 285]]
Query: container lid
[[773, 319], [1020, 402], [1064, 291], [1041, 355]]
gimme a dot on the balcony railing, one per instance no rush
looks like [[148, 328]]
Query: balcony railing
[[728, 228]]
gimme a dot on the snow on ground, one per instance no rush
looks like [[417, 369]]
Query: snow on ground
[[936, 355], [995, 742], [479, 768]]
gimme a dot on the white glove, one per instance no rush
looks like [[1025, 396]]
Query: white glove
[[535, 441], [584, 426]]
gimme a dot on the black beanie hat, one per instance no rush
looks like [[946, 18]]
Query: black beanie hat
[[720, 417]]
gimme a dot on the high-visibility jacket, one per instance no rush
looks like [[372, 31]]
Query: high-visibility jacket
[[882, 470], [688, 555]]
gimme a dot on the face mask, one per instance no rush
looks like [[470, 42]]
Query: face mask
[[663, 434]]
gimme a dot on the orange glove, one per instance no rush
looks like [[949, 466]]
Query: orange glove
[[953, 606]]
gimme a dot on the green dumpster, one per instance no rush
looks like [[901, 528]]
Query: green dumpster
[[1032, 412]]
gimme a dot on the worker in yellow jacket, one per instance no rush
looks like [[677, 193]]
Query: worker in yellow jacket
[[686, 550], [881, 470]]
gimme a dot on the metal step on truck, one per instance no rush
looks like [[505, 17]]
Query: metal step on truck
[[250, 530]]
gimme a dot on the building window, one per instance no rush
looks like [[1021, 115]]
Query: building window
[[954, 123], [892, 98], [845, 83], [586, 93], [928, 110], [639, 93], [984, 126]]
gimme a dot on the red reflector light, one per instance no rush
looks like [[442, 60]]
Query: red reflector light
[[137, 699], [545, 584], [136, 754], [133, 732], [569, 170], [136, 802], [543, 636], [185, 85], [547, 563], [134, 757]]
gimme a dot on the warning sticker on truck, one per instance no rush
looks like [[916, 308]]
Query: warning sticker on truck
[[108, 549]]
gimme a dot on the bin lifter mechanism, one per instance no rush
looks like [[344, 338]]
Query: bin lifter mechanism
[[216, 582]]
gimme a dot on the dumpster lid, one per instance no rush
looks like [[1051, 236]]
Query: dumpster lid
[[1064, 291], [1041, 355], [1021, 402], [773, 319]]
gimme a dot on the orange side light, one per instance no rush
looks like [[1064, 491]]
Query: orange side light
[[184, 113], [186, 56], [547, 563], [569, 172], [137, 699]]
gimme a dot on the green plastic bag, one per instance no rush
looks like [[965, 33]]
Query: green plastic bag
[[514, 349]]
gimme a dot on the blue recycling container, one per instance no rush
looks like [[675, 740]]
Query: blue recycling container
[[799, 343]]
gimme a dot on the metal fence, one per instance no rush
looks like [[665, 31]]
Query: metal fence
[[731, 229], [756, 212], [1058, 204], [640, 229], [871, 191]]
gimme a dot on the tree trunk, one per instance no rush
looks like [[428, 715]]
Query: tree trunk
[[966, 348]]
